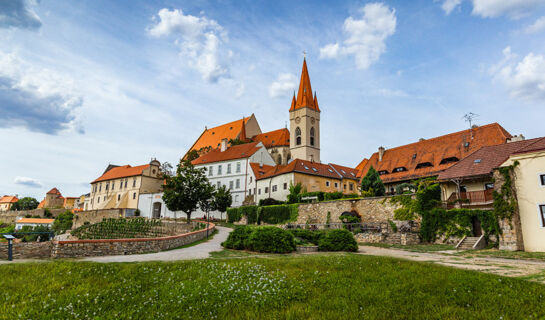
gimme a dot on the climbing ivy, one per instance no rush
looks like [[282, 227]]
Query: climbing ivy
[[505, 202]]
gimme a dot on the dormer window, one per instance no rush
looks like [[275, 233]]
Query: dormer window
[[477, 161], [400, 169], [314, 169], [381, 172], [466, 144], [414, 156], [306, 168], [424, 165], [449, 160], [344, 172]]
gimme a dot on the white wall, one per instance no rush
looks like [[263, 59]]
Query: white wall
[[280, 194], [146, 202]]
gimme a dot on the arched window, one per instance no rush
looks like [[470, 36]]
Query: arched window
[[312, 136], [298, 136]]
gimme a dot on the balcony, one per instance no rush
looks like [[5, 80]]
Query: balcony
[[482, 198]]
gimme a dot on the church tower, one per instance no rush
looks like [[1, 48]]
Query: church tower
[[305, 121]]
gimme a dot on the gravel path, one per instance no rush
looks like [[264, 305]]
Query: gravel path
[[200, 251]]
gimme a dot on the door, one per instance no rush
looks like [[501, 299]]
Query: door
[[477, 230], [156, 210]]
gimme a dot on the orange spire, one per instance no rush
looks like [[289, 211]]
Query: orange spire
[[304, 95], [293, 102], [316, 102]]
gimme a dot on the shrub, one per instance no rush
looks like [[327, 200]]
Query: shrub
[[351, 196], [237, 237], [368, 193], [233, 215], [137, 213], [308, 235], [295, 193], [250, 212], [269, 202], [63, 222], [270, 239], [372, 181], [338, 240], [47, 213], [333, 195], [278, 214]]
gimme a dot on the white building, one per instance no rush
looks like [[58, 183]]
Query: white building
[[33, 222], [226, 166]]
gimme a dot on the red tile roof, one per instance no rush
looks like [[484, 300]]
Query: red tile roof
[[240, 151], [121, 172], [211, 138], [538, 145], [259, 171], [434, 150], [304, 95], [483, 161], [54, 191], [311, 168], [345, 172], [276, 138], [35, 221], [8, 199]]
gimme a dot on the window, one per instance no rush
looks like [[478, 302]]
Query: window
[[449, 160], [100, 187], [118, 197], [351, 187], [104, 198], [344, 186], [400, 169], [121, 184], [542, 214], [237, 185], [230, 185], [259, 191], [542, 179], [381, 172], [250, 179], [134, 183], [219, 170], [219, 184], [327, 183], [113, 185], [266, 189], [285, 186], [424, 165], [336, 185], [238, 167], [312, 136], [488, 186], [210, 171], [98, 200], [477, 161], [254, 190], [250, 192], [274, 188], [298, 136], [236, 198], [228, 168], [126, 181], [107, 185]]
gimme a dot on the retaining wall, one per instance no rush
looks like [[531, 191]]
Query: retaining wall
[[95, 216], [27, 250], [403, 238], [10, 217]]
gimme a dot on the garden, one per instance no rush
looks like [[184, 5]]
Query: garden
[[332, 286]]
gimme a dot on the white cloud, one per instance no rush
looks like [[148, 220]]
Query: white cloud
[[512, 8], [19, 14], [450, 5], [200, 39], [366, 35], [29, 182], [284, 85], [536, 26], [39, 99], [523, 79]]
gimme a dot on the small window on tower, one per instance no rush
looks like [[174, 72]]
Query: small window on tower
[[298, 136], [312, 136]]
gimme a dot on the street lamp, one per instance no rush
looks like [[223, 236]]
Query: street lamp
[[10, 238]]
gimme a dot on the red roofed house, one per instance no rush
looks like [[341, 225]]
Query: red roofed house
[[120, 186], [429, 157], [6, 202]]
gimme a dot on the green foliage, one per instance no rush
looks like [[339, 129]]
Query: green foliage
[[250, 212], [47, 213], [333, 195], [295, 193], [312, 236], [270, 239], [7, 228], [269, 202], [338, 240], [63, 222], [121, 229], [278, 214], [372, 181], [237, 237], [368, 193], [427, 197], [26, 203], [392, 225], [233, 215], [192, 155], [505, 202], [237, 141], [351, 196], [401, 188], [137, 213], [350, 219], [222, 199], [407, 210], [185, 190], [328, 219], [44, 236]]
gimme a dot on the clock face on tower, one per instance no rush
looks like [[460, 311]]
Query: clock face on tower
[[297, 120]]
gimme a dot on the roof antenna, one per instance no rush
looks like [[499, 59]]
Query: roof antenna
[[470, 117]]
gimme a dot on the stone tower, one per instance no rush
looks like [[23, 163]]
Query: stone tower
[[305, 121]]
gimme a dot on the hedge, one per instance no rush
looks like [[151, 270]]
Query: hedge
[[338, 240], [237, 237], [270, 239], [233, 215], [333, 195], [308, 235], [250, 212], [268, 214]]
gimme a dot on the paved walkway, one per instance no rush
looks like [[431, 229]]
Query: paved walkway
[[200, 251], [505, 267]]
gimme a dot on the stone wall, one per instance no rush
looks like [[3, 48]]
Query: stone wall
[[511, 238], [376, 209], [10, 217], [27, 250], [403, 238], [93, 248], [95, 216]]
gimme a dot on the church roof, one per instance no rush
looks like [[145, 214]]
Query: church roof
[[121, 172], [240, 151], [304, 95], [276, 138], [430, 153]]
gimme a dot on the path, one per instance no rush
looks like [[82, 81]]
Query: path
[[504, 267], [200, 251]]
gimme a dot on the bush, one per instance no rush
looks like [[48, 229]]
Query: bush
[[278, 214], [308, 235], [237, 237], [250, 212], [338, 240], [333, 195], [47, 213], [270, 239], [295, 193], [351, 196], [269, 202], [63, 222], [233, 215]]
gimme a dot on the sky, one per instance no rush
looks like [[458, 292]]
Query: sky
[[87, 83]]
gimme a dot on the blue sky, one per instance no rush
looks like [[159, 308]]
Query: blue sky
[[85, 84]]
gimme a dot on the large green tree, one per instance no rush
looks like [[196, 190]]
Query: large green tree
[[372, 181], [184, 191], [26, 203], [222, 200]]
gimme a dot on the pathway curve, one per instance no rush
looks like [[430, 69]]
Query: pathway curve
[[505, 267], [200, 251]]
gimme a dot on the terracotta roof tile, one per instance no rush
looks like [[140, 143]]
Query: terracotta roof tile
[[345, 172], [485, 160], [211, 138], [311, 168], [259, 171], [235, 152], [35, 220], [434, 150], [54, 191], [538, 145], [8, 199], [276, 138], [121, 172]]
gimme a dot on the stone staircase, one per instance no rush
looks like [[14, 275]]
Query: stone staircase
[[471, 243]]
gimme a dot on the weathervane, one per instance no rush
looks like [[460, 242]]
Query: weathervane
[[304, 54]]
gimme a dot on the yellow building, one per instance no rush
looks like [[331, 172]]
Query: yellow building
[[120, 186], [6, 202]]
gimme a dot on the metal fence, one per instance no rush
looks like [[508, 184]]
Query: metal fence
[[378, 227]]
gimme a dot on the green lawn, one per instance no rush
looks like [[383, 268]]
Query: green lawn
[[414, 247], [495, 253], [339, 286]]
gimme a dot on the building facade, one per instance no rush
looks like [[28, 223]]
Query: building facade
[[6, 202]]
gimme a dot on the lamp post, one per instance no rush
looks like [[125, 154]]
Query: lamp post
[[10, 238]]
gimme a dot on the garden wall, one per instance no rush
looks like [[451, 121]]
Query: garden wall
[[403, 238], [376, 209], [26, 250], [10, 217], [93, 248], [95, 216]]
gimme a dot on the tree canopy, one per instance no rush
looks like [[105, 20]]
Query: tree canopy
[[222, 199], [372, 181], [26, 203]]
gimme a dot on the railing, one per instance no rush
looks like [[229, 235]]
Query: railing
[[471, 198], [354, 227]]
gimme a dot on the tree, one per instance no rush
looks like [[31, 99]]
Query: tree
[[184, 191], [206, 202], [295, 191], [237, 141], [26, 203], [192, 155], [166, 168], [372, 181], [63, 222], [222, 199]]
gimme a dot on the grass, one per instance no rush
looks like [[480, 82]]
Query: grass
[[495, 253], [414, 247], [228, 253], [337, 286]]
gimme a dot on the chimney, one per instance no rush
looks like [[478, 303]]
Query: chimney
[[516, 138], [380, 153], [223, 144]]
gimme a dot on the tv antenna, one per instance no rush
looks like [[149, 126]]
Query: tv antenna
[[470, 117]]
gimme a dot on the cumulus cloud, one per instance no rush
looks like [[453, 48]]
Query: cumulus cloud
[[201, 41], [29, 182], [284, 85], [495, 8], [450, 5], [37, 99], [537, 26], [19, 14], [523, 78], [366, 36]]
